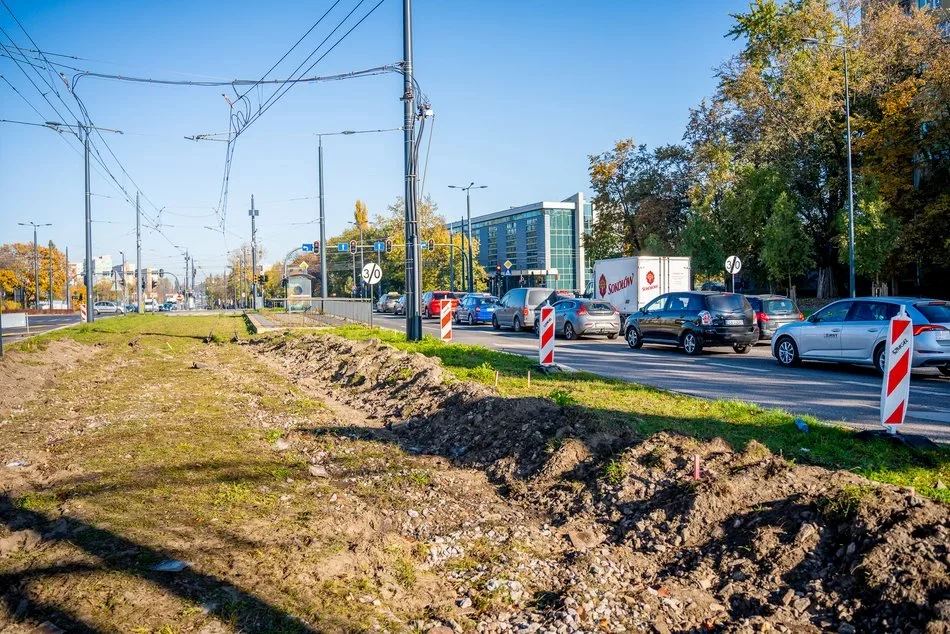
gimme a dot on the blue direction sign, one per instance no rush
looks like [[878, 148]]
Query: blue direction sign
[[379, 246], [343, 247], [424, 245], [307, 248]]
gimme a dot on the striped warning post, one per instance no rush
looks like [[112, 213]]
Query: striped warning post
[[445, 315], [546, 336], [899, 356], [82, 313]]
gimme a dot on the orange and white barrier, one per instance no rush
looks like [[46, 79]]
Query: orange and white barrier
[[82, 313], [899, 356], [445, 315], [546, 338]]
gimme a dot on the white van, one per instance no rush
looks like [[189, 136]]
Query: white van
[[151, 306]]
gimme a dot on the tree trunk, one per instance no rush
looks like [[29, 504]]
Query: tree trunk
[[827, 289]]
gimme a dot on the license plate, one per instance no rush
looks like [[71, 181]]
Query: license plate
[[942, 334], [733, 322]]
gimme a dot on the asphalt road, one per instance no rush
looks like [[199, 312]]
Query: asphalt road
[[831, 392], [42, 323]]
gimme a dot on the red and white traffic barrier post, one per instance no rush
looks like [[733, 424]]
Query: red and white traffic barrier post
[[546, 337], [899, 355], [82, 313], [445, 316]]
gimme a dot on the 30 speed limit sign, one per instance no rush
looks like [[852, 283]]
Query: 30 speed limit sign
[[733, 264]]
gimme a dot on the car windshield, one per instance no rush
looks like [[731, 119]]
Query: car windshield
[[537, 296], [935, 312], [600, 306], [726, 303], [779, 306]]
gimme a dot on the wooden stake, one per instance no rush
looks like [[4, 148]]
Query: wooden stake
[[696, 467], [529, 378], [496, 379]]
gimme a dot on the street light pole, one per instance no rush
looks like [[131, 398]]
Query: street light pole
[[36, 261], [413, 255], [847, 110], [125, 294], [468, 209], [51, 275], [253, 213]]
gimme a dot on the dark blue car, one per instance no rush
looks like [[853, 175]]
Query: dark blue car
[[476, 308]]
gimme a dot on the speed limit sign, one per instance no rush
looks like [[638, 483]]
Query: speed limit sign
[[733, 264]]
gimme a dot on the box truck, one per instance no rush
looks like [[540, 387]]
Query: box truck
[[630, 283]]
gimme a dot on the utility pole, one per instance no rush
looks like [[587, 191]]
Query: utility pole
[[68, 298], [184, 290], [413, 255], [451, 261], [139, 278], [254, 213], [36, 261], [323, 227], [125, 294], [51, 275], [90, 314]]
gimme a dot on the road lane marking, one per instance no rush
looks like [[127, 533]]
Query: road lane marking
[[724, 365], [940, 417]]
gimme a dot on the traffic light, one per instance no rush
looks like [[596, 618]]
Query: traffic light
[[143, 284], [283, 282], [389, 245], [316, 247], [154, 285], [161, 272], [353, 246], [431, 244]]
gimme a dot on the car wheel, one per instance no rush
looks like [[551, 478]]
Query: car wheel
[[944, 370], [633, 338], [455, 318], [742, 348], [880, 359], [537, 327], [787, 352], [569, 332], [516, 324], [471, 319], [494, 323], [425, 312], [612, 336], [692, 344]]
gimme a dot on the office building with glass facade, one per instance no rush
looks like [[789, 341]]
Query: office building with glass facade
[[542, 241]]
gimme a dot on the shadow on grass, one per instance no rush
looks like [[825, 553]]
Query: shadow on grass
[[118, 554]]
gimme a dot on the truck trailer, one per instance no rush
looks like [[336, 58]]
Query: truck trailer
[[630, 283]]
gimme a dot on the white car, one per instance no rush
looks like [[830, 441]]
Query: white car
[[855, 331], [150, 306], [108, 308]]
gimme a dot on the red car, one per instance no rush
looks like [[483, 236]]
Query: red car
[[431, 303]]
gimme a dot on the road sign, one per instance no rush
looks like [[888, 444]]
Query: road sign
[[342, 247], [371, 273], [899, 356], [733, 264], [424, 245], [306, 248], [546, 336], [508, 264], [508, 272], [303, 265], [445, 317], [379, 246]]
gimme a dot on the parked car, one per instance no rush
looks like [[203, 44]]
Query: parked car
[[430, 302], [399, 307], [150, 305], [694, 320], [773, 311], [108, 308], [387, 302], [575, 318], [516, 309], [855, 331], [476, 308]]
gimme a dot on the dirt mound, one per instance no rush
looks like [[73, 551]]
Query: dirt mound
[[755, 544], [24, 374]]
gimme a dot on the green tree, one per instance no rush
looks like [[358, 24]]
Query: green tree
[[787, 248], [876, 234], [700, 240]]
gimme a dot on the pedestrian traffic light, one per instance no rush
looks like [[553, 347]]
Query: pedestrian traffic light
[[389, 245], [316, 246], [431, 244]]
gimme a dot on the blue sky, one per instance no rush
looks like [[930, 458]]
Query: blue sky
[[523, 91]]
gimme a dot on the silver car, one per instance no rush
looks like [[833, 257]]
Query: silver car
[[516, 309], [855, 331], [387, 303], [574, 318], [108, 308]]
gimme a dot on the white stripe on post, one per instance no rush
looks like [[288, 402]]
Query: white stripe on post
[[82, 313], [546, 336], [445, 315]]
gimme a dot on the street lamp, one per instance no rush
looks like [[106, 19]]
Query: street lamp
[[468, 208], [36, 261], [847, 109]]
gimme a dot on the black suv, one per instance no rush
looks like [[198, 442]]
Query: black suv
[[694, 320]]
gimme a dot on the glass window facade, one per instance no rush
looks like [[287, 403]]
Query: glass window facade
[[562, 246]]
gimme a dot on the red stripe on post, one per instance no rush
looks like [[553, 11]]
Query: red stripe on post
[[900, 326], [897, 416], [898, 372]]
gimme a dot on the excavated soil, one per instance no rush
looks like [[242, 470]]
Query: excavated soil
[[756, 544], [24, 374]]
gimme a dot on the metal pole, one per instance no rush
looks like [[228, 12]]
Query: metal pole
[[125, 294], [139, 278], [36, 273], [362, 266], [90, 314], [51, 275], [847, 109], [323, 227], [413, 277], [451, 261], [68, 299], [471, 266], [253, 213]]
